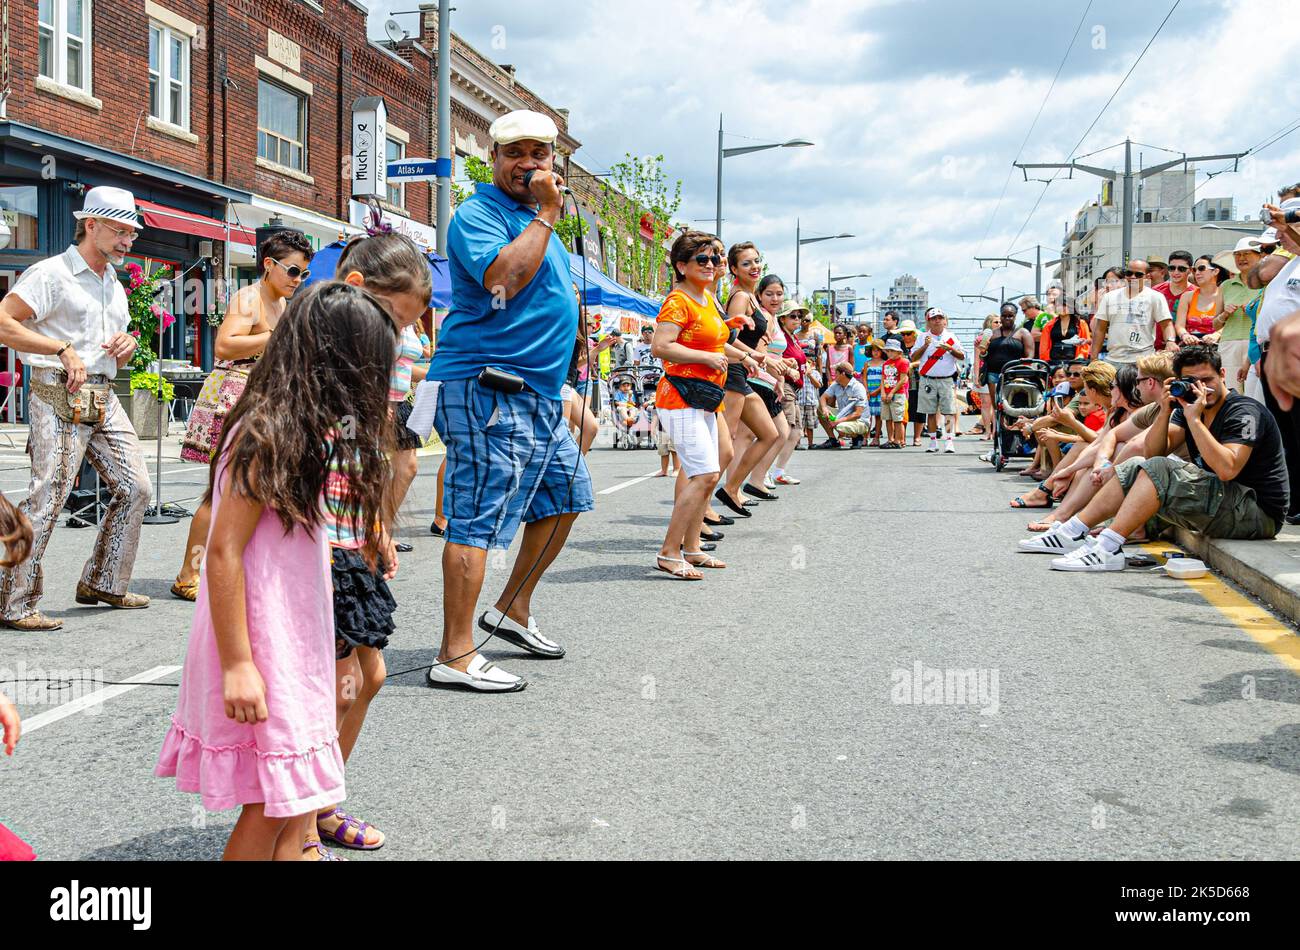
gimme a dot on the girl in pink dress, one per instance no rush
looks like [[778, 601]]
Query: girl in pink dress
[[16, 537], [255, 719]]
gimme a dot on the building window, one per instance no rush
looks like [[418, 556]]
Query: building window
[[281, 125], [395, 152], [18, 204], [63, 42], [169, 76]]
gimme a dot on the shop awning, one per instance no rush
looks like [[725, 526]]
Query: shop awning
[[602, 292], [187, 222]]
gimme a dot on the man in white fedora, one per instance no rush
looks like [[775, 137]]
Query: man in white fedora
[[67, 317]]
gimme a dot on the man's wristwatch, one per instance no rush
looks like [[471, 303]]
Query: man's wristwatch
[[66, 345]]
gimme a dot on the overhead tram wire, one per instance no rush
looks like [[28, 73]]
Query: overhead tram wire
[[1032, 125], [1092, 125]]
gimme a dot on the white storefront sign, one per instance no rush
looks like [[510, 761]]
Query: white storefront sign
[[369, 143]]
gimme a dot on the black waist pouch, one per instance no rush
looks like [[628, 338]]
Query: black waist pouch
[[698, 393]]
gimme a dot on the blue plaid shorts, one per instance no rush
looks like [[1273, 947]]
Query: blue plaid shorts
[[510, 459]]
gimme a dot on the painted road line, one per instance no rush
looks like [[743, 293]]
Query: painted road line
[[67, 709], [1256, 622], [187, 470], [627, 484]]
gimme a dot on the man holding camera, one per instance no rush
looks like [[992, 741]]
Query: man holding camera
[[501, 361], [68, 317], [1234, 486]]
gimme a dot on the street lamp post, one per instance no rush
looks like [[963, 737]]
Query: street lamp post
[[799, 242], [742, 150], [830, 291]]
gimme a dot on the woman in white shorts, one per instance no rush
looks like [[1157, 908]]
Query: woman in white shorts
[[690, 338]]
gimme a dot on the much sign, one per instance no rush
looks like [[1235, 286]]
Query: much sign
[[369, 144]]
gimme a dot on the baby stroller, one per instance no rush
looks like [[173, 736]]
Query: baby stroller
[[1022, 394], [634, 419]]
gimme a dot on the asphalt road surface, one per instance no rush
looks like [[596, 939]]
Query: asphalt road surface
[[777, 709]]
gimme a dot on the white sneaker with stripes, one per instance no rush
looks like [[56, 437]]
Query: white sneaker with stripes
[[1054, 541], [1092, 557]]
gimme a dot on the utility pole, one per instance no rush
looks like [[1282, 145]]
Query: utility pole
[[1126, 190], [444, 124]]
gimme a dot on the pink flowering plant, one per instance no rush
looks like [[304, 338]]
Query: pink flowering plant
[[145, 316]]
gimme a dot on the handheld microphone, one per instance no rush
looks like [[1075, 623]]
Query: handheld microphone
[[528, 179]]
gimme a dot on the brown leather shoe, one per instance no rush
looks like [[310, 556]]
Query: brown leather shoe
[[127, 601], [33, 622]]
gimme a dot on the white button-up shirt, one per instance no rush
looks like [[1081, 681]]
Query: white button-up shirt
[[1281, 299], [72, 302]]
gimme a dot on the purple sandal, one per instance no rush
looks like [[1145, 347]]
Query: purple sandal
[[348, 823], [325, 853]]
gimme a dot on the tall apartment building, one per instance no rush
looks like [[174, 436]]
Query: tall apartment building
[[908, 298]]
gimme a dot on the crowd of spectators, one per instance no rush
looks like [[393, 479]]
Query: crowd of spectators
[[1171, 402]]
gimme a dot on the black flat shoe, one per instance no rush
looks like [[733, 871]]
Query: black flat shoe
[[720, 522], [403, 548], [436, 531], [722, 496], [711, 535], [707, 547], [762, 493]]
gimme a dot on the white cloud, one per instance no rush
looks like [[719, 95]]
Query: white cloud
[[912, 159]]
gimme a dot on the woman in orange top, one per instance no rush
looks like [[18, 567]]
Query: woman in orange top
[[1053, 345], [691, 340], [1199, 305]]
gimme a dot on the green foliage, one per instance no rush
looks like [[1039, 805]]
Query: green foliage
[[153, 383], [640, 189], [570, 230], [145, 312], [478, 170]]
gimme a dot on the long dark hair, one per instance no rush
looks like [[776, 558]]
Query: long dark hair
[[326, 368], [1126, 381]]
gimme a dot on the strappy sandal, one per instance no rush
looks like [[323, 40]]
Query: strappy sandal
[[348, 823], [709, 562], [188, 591], [325, 853], [679, 573]]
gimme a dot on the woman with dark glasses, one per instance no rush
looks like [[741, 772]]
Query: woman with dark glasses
[[691, 340], [1199, 306], [253, 313]]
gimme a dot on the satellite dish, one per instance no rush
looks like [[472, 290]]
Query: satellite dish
[[394, 30]]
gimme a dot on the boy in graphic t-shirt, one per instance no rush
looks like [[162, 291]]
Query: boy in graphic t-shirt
[[893, 394]]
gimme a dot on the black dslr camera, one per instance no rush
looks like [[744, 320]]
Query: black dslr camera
[[1184, 388]]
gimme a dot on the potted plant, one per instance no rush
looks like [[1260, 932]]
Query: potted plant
[[147, 384]]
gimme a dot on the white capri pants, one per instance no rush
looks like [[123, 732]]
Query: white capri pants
[[695, 436]]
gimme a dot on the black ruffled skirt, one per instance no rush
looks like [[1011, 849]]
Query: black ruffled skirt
[[363, 604]]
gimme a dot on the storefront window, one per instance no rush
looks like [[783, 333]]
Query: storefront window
[[18, 205]]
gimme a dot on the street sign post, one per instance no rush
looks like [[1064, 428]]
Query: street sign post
[[418, 169]]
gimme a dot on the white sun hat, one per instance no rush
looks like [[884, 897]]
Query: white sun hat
[[116, 204]]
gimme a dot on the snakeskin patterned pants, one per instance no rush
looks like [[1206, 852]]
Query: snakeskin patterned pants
[[56, 448]]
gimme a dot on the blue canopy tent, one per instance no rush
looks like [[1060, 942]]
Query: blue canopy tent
[[326, 260], [615, 303]]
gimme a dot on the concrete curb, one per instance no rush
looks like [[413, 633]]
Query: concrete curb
[[1270, 570]]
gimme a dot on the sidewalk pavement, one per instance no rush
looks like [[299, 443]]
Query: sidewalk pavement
[[1270, 570]]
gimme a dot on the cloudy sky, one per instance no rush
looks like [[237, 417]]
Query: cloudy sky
[[917, 109]]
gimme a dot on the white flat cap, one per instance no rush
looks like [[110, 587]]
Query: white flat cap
[[523, 124]]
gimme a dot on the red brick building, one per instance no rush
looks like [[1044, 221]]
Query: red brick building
[[217, 116]]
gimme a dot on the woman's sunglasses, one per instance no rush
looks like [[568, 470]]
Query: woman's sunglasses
[[293, 271], [703, 259], [1201, 268]]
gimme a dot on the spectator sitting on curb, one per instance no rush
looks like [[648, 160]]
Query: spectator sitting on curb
[[1083, 476], [1235, 485]]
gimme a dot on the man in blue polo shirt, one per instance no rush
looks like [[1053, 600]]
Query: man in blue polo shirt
[[510, 457]]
